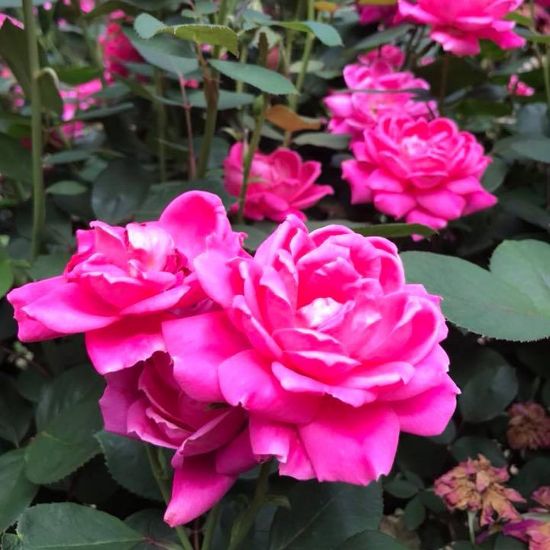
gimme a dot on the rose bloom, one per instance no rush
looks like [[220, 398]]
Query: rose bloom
[[518, 88], [459, 26], [477, 486], [75, 99], [123, 281], [211, 444], [373, 14], [117, 51], [375, 89], [280, 183], [528, 427], [324, 345], [422, 171]]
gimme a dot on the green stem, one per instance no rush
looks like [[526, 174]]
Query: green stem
[[249, 156], [471, 527], [153, 453], [242, 528], [443, 82], [308, 48], [546, 74], [161, 124], [39, 201], [210, 526], [211, 93]]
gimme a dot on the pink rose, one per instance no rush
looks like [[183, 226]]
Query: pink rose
[[324, 345], [212, 445], [391, 56], [376, 89], [459, 26], [117, 51], [422, 171], [85, 5], [373, 14], [518, 88], [122, 282], [78, 98], [279, 184]]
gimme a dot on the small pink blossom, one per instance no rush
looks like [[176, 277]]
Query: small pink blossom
[[280, 183], [459, 26], [422, 171], [117, 51], [518, 88], [123, 281], [211, 444], [78, 98], [375, 89], [373, 14], [324, 345]]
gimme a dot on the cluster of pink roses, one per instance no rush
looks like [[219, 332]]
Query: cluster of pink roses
[[315, 351]]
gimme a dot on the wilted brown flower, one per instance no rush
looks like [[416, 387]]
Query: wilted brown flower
[[542, 496], [539, 536], [477, 486], [528, 427]]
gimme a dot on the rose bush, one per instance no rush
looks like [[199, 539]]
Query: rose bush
[[273, 275]]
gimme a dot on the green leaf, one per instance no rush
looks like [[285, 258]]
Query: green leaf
[[15, 160], [414, 514], [9, 541], [384, 37], [6, 273], [16, 491], [17, 4], [489, 390], [535, 474], [371, 540], [508, 543], [163, 52], [524, 148], [337, 142], [259, 77], [470, 446], [65, 443], [15, 412], [64, 526], [485, 302], [157, 533], [495, 174], [119, 191], [148, 26], [525, 265], [68, 156], [128, 463], [48, 265], [71, 387], [323, 516], [524, 204], [158, 198], [400, 488], [226, 99], [67, 188], [393, 230], [325, 33]]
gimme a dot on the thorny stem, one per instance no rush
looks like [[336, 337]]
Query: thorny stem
[[211, 94], [210, 526], [239, 534], [161, 124], [153, 453], [310, 39], [192, 165], [39, 201], [256, 135]]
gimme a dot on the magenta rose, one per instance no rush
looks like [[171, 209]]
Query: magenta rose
[[211, 444], [280, 183], [376, 88], [422, 171], [122, 282], [117, 51], [324, 345], [374, 14], [518, 88], [459, 26]]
